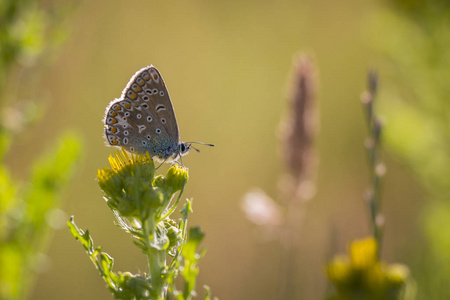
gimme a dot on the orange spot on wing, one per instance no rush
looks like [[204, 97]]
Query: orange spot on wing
[[145, 76], [132, 96]]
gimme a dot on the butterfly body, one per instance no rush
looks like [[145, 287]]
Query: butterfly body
[[143, 118]]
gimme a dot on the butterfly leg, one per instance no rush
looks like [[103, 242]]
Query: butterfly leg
[[181, 159], [161, 164]]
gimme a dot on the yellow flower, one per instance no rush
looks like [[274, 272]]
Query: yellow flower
[[132, 189], [363, 276], [364, 253]]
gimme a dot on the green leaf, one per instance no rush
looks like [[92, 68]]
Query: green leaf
[[186, 209], [190, 269], [50, 174], [195, 238], [208, 292], [80, 235]]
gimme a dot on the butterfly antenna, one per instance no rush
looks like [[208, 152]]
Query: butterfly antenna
[[195, 149], [200, 143]]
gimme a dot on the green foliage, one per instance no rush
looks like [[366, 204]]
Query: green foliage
[[27, 212], [363, 276], [415, 40], [123, 285], [190, 269], [142, 204], [28, 31]]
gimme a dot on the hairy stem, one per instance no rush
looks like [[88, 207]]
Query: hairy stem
[[156, 259]]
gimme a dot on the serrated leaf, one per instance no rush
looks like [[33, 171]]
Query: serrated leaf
[[195, 238], [84, 237], [186, 209]]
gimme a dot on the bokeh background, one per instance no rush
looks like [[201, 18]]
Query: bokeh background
[[227, 65]]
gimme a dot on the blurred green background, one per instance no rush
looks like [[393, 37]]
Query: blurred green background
[[226, 65]]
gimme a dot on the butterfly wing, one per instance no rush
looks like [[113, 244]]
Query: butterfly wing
[[143, 118]]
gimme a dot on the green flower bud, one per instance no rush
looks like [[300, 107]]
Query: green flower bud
[[176, 178], [174, 235]]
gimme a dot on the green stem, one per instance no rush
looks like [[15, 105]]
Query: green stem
[[156, 259], [373, 149], [174, 206]]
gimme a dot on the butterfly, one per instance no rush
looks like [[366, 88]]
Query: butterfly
[[143, 119]]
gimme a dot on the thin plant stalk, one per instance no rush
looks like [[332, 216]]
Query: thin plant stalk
[[297, 134], [376, 166]]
